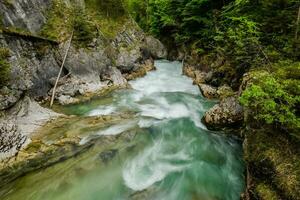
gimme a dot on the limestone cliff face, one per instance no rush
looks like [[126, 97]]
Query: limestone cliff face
[[35, 57], [24, 14]]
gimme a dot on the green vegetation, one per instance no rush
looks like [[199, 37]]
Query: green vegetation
[[99, 17], [4, 67], [59, 23], [274, 163], [274, 99], [84, 30], [257, 36], [232, 38]]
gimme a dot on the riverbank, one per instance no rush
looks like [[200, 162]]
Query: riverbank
[[33, 43], [271, 173]]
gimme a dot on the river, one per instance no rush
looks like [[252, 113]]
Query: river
[[172, 157]]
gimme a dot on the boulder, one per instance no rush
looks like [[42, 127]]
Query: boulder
[[200, 77], [127, 59], [156, 48], [208, 91], [66, 99], [114, 76], [227, 113]]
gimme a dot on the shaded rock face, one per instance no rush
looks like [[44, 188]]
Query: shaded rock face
[[227, 113], [155, 47], [35, 63], [25, 14]]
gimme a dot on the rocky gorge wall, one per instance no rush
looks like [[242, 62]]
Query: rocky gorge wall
[[271, 158], [35, 59]]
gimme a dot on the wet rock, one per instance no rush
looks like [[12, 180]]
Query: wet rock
[[61, 139], [188, 71], [65, 100], [148, 193], [108, 155], [200, 77], [127, 59], [225, 114], [114, 76], [208, 91], [156, 48], [141, 71]]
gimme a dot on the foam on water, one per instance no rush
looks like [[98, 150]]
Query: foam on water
[[102, 110], [173, 156], [112, 130], [150, 166]]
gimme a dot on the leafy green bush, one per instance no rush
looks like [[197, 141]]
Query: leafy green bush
[[268, 99], [84, 30]]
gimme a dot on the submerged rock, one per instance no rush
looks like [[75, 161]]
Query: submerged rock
[[225, 114], [108, 155], [60, 140]]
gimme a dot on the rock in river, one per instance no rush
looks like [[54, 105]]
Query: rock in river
[[225, 114]]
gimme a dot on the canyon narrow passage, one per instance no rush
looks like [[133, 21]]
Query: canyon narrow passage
[[165, 152]]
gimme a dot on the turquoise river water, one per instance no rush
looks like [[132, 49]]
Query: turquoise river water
[[172, 157]]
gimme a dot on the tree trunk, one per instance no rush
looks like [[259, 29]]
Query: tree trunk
[[61, 67], [297, 24]]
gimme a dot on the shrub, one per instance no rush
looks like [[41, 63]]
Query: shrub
[[269, 99]]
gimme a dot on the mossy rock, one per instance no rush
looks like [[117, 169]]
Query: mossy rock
[[274, 159], [4, 67], [265, 192]]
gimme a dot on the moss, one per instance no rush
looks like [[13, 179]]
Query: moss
[[4, 67], [109, 18], [8, 2], [34, 146], [265, 192], [59, 21], [99, 17], [84, 29], [274, 158]]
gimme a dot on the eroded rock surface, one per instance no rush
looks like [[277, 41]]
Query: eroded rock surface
[[18, 123], [227, 113], [61, 139]]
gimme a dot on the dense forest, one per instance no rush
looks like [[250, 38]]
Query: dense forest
[[108, 136], [258, 36]]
